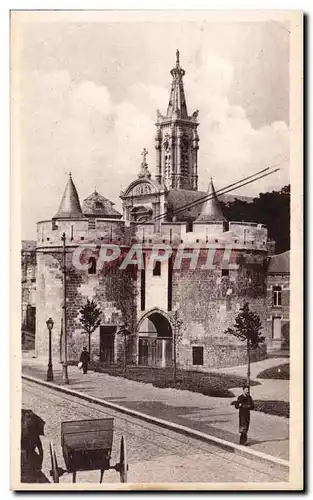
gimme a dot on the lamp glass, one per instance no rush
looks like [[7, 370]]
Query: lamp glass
[[50, 323]]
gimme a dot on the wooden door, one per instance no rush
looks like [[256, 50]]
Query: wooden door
[[107, 337]]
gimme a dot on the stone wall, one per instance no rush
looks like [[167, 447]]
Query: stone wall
[[79, 286], [218, 355], [209, 303], [79, 232], [209, 300]]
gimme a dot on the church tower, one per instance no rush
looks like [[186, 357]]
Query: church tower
[[177, 140]]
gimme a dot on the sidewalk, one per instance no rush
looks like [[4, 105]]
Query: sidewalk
[[268, 389], [268, 434], [256, 367]]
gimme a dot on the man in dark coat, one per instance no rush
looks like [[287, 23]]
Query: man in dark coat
[[32, 427], [85, 358], [244, 404]]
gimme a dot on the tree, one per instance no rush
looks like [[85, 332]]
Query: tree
[[177, 333], [247, 327], [90, 318], [271, 209]]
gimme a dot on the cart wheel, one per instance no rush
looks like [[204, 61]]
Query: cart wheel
[[123, 465], [54, 472]]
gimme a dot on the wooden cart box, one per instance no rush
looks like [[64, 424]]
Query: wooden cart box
[[87, 444]]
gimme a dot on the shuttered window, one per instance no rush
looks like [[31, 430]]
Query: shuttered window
[[276, 295], [197, 355]]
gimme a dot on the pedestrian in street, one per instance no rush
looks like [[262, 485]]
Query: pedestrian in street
[[84, 359], [244, 404]]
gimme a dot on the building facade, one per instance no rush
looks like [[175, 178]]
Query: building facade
[[278, 294], [190, 261], [28, 302]]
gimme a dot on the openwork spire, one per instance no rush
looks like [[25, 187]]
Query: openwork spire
[[176, 139], [177, 103], [211, 209], [70, 204]]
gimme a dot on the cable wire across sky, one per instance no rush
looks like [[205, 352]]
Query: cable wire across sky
[[226, 189]]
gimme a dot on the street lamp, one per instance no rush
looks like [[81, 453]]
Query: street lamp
[[50, 324], [65, 372]]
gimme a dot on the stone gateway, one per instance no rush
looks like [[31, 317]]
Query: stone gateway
[[161, 209]]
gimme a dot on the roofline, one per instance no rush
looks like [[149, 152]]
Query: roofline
[[272, 273], [117, 217], [142, 181]]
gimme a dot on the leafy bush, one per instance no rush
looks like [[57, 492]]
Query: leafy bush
[[209, 384], [193, 386], [279, 408], [280, 372]]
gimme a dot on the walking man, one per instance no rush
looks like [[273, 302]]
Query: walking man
[[244, 404], [84, 358]]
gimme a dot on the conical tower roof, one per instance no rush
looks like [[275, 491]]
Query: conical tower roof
[[177, 101], [70, 204], [211, 209]]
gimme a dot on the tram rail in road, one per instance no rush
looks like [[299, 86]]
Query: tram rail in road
[[156, 454]]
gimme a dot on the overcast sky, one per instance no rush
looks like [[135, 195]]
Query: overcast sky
[[89, 94]]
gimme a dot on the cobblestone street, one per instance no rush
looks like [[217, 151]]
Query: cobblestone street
[[215, 416], [154, 454]]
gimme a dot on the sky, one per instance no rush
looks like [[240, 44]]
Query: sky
[[88, 95]]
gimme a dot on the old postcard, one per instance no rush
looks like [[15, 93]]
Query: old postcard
[[156, 251]]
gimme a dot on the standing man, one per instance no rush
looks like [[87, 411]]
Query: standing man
[[32, 427], [244, 404], [84, 358]]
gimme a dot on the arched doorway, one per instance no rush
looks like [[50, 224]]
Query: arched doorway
[[155, 341]]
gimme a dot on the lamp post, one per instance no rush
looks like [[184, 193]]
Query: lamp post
[[50, 324], [61, 342], [65, 372]]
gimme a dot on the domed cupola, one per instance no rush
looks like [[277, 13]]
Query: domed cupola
[[98, 206]]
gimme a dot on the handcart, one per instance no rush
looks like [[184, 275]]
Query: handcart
[[86, 446]]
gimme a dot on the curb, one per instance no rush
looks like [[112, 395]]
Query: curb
[[226, 445]]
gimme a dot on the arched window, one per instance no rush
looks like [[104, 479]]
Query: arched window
[[157, 268], [93, 265]]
